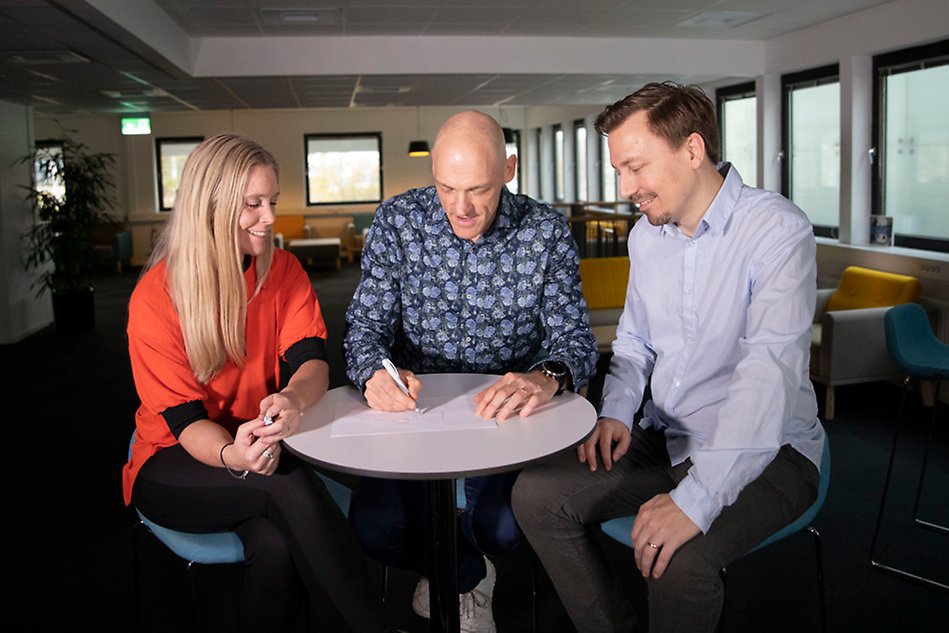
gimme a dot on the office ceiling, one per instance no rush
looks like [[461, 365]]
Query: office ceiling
[[69, 56]]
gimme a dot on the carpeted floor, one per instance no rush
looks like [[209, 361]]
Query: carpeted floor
[[70, 402]]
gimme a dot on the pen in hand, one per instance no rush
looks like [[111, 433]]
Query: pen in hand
[[398, 379]]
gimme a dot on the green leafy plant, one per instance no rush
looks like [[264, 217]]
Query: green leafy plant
[[65, 223]]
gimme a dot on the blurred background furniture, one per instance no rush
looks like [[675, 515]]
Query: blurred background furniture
[[113, 243], [848, 344], [923, 357], [290, 227], [621, 528], [604, 282]]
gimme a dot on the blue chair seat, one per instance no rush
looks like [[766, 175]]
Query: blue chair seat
[[620, 528]]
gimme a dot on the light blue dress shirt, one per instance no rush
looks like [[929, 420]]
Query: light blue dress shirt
[[721, 322]]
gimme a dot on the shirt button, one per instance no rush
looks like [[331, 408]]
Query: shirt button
[[675, 383]]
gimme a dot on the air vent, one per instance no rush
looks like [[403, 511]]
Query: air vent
[[296, 16], [720, 19], [34, 58]]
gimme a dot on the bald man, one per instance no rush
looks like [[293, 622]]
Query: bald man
[[463, 277]]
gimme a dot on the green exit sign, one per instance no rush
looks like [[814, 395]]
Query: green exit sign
[[136, 125]]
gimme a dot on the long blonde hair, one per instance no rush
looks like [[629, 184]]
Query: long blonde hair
[[201, 248]]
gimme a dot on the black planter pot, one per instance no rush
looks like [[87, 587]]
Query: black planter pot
[[74, 311]]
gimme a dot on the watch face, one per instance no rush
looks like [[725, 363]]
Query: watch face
[[555, 367]]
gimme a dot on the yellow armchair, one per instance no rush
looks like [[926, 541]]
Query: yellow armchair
[[848, 343]]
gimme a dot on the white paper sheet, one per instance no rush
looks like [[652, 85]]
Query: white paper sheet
[[438, 414]]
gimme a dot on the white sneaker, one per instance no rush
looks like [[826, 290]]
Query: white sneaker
[[474, 608], [421, 602]]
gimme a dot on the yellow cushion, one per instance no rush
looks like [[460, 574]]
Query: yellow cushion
[[604, 281], [291, 226], [868, 288]]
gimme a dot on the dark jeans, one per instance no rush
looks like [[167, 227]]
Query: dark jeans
[[391, 521], [297, 543], [559, 502]]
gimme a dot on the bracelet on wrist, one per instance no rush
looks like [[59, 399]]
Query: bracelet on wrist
[[242, 475]]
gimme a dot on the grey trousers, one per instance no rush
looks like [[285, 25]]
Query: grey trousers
[[559, 504]]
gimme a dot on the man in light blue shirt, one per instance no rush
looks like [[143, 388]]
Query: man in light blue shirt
[[717, 325]]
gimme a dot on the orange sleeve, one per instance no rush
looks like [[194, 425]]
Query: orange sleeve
[[160, 368], [299, 309]]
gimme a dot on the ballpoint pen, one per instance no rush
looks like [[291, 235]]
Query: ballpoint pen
[[398, 380]]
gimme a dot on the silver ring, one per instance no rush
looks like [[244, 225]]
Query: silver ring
[[652, 545], [268, 454]]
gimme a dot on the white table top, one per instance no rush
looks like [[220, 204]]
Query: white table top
[[514, 442]]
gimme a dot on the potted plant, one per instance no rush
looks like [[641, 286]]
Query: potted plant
[[70, 196]]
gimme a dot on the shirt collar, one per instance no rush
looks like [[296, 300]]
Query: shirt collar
[[723, 205]]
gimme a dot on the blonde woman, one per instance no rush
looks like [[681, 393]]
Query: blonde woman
[[214, 314]]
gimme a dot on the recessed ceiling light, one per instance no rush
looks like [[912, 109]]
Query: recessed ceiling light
[[720, 19], [323, 16], [135, 94]]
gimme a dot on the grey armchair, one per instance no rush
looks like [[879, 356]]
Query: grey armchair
[[848, 342]]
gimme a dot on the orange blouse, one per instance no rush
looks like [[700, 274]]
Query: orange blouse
[[284, 312]]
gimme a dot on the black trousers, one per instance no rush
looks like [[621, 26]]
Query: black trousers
[[297, 544]]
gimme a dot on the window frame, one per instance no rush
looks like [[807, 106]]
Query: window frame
[[158, 173], [885, 65], [810, 78], [341, 135]]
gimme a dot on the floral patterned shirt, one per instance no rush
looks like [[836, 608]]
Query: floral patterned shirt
[[436, 303]]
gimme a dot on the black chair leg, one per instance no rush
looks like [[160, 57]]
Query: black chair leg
[[922, 474], [886, 486]]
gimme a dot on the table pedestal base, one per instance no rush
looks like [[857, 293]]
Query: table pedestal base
[[444, 580]]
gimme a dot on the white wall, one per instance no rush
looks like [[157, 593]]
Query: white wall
[[21, 312]]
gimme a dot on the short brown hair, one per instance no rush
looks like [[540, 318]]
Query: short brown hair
[[674, 112]]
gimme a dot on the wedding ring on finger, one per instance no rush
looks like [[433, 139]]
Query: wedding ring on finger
[[652, 545], [525, 392], [268, 454]]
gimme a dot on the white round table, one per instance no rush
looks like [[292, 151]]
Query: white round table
[[440, 456]]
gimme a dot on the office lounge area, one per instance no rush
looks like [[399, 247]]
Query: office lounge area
[[72, 397]]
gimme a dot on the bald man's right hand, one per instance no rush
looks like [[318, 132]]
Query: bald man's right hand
[[383, 394]]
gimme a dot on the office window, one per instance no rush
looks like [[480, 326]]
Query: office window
[[343, 168], [560, 185], [911, 179], [512, 145], [608, 175], [48, 168], [580, 150], [172, 153], [811, 145], [738, 125]]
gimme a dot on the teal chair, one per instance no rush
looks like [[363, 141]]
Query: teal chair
[[920, 355], [619, 530], [215, 548]]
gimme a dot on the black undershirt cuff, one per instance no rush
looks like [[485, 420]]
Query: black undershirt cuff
[[180, 416]]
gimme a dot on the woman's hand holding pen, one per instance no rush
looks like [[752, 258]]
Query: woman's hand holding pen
[[383, 393], [250, 452]]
